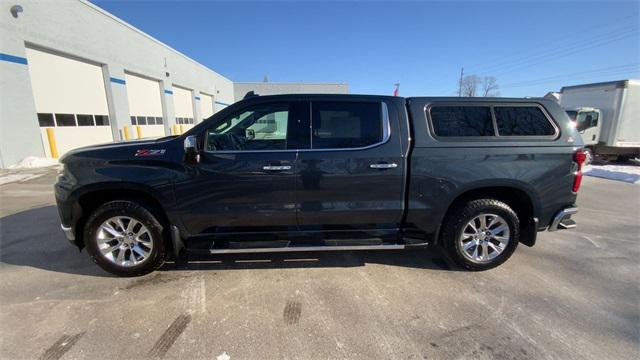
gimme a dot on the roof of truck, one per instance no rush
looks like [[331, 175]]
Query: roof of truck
[[619, 84], [364, 96]]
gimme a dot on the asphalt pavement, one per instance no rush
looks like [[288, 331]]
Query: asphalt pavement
[[575, 295]]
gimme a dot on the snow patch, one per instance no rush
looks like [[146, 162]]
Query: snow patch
[[626, 173], [223, 356], [9, 178], [33, 162]]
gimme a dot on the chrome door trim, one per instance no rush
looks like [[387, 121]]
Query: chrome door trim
[[384, 166], [276, 167]]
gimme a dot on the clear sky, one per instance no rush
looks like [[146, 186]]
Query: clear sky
[[530, 47]]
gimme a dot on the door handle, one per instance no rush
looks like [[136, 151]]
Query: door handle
[[276, 167], [383, 166]]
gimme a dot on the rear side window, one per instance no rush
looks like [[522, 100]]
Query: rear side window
[[522, 121], [458, 121], [343, 125]]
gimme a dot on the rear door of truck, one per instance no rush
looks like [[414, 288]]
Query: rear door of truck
[[352, 173]]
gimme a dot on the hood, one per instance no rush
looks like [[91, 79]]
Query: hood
[[117, 147]]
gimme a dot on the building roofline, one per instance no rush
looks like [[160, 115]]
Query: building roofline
[[289, 83], [131, 27]]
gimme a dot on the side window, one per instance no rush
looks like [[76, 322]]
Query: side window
[[262, 127], [586, 119], [522, 121], [459, 121], [345, 124]]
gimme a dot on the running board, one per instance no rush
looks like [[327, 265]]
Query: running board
[[306, 248]]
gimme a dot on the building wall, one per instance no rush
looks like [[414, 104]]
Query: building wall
[[79, 30], [267, 88]]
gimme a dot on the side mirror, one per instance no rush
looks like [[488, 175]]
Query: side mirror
[[191, 151]]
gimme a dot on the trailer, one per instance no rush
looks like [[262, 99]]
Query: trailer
[[607, 116]]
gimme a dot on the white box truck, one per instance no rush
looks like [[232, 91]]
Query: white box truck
[[607, 116]]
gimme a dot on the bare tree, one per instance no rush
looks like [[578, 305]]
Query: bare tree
[[474, 85], [490, 87], [469, 85]]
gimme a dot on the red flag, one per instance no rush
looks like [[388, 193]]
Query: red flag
[[396, 88]]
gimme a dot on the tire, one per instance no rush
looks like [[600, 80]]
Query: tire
[[133, 247], [497, 252], [588, 157]]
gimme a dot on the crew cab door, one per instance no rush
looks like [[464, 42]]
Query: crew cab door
[[352, 174], [245, 179]]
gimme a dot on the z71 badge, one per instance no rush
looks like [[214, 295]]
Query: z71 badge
[[146, 152]]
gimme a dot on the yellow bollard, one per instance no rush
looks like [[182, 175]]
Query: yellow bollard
[[126, 133], [181, 130], [139, 131], [175, 129], [52, 143]]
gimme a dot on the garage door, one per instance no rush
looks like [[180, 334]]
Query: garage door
[[206, 105], [145, 106], [70, 99], [183, 106]]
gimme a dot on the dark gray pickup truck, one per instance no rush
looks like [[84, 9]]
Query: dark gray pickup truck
[[476, 176]]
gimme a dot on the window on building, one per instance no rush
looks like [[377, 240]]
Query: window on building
[[159, 121], [46, 120], [345, 125], [522, 121], [141, 120], [190, 121], [85, 120], [102, 120], [134, 121], [65, 120], [457, 121], [151, 120]]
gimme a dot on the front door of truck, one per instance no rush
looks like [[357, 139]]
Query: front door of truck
[[588, 125], [245, 179], [352, 174]]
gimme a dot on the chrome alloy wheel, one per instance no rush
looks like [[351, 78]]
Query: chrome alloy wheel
[[484, 237], [124, 241]]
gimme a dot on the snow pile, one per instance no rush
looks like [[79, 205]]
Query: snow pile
[[18, 177], [33, 162], [626, 173]]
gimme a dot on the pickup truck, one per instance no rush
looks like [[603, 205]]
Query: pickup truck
[[476, 176]]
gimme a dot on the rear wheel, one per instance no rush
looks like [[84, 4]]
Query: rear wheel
[[481, 234], [125, 238]]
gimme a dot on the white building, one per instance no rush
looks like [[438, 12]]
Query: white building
[[72, 74], [240, 89]]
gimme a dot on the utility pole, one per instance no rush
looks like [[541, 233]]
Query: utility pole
[[460, 82]]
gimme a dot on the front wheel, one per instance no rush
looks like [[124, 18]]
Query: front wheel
[[125, 238], [481, 234]]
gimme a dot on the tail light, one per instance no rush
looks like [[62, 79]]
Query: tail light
[[579, 157]]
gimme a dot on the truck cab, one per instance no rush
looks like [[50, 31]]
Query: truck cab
[[587, 122]]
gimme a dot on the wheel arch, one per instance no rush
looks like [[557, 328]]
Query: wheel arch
[[90, 197], [519, 197]]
